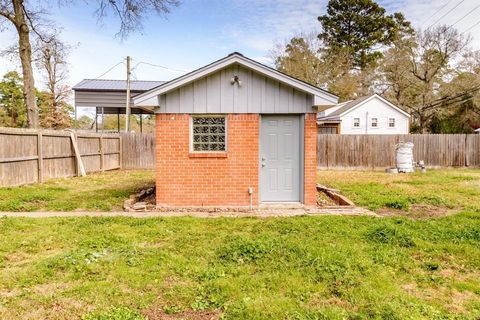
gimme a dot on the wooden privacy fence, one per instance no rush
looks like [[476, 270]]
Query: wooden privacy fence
[[378, 151], [28, 156], [138, 150]]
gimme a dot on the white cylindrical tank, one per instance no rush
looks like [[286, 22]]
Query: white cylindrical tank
[[404, 157]]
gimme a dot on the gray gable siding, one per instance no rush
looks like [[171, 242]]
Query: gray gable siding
[[215, 94], [100, 99]]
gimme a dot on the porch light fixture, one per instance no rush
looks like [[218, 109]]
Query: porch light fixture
[[237, 80]]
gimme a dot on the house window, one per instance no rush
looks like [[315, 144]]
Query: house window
[[208, 133], [356, 122], [391, 122], [374, 122]]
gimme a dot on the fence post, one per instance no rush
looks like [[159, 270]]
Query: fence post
[[102, 155], [120, 152], [40, 155]]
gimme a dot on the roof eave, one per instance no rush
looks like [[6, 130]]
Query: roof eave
[[229, 60]]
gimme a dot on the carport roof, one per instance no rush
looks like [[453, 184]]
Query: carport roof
[[115, 85]]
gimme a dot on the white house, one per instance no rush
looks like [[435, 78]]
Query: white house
[[370, 114]]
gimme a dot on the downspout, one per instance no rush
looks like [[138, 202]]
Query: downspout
[[366, 123], [250, 192]]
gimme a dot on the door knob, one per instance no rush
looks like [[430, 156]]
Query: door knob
[[264, 162]]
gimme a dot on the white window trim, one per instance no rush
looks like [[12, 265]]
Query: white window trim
[[359, 124], [394, 123], [376, 122], [190, 138]]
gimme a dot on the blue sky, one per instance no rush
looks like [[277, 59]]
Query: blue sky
[[200, 31]]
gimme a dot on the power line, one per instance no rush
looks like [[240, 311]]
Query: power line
[[158, 66], [134, 74], [465, 16], [446, 99], [446, 4], [110, 69], [471, 27], [445, 14], [121, 62]]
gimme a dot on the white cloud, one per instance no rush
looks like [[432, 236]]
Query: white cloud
[[425, 13], [249, 26], [259, 24]]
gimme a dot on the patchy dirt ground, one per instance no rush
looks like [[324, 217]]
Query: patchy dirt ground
[[160, 314], [418, 211]]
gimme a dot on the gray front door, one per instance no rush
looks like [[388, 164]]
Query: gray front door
[[280, 158]]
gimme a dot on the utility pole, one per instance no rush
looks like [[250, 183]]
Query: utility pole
[[127, 107]]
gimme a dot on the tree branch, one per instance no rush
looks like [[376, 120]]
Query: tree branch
[[8, 15], [34, 29]]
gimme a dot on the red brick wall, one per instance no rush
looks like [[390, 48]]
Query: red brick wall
[[310, 180], [222, 179]]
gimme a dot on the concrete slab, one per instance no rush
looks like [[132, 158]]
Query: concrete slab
[[259, 213]]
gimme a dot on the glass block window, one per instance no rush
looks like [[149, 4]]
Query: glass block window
[[374, 122], [356, 122], [208, 134], [391, 122]]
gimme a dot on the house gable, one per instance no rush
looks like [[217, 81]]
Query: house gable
[[215, 94], [381, 100], [209, 89]]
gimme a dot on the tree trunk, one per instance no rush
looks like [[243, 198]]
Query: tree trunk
[[26, 60], [423, 124]]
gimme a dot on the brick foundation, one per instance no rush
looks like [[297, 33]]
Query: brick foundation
[[218, 179]]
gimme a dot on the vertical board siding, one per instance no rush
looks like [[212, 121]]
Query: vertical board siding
[[138, 150], [214, 101], [214, 93], [378, 151]]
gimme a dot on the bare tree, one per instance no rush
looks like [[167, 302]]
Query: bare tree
[[132, 13], [25, 17], [51, 58], [431, 56]]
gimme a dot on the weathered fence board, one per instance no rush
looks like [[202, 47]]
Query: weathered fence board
[[378, 151], [29, 156], [138, 150]]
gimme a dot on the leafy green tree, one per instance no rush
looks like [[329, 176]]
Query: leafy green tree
[[84, 123], [462, 113], [12, 103], [304, 57], [54, 114], [301, 59], [361, 27]]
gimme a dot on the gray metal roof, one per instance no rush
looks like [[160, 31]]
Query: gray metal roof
[[115, 85]]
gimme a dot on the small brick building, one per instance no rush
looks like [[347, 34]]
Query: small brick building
[[235, 133]]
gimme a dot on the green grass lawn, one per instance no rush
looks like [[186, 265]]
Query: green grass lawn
[[97, 192], [312, 267], [322, 267], [436, 193]]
